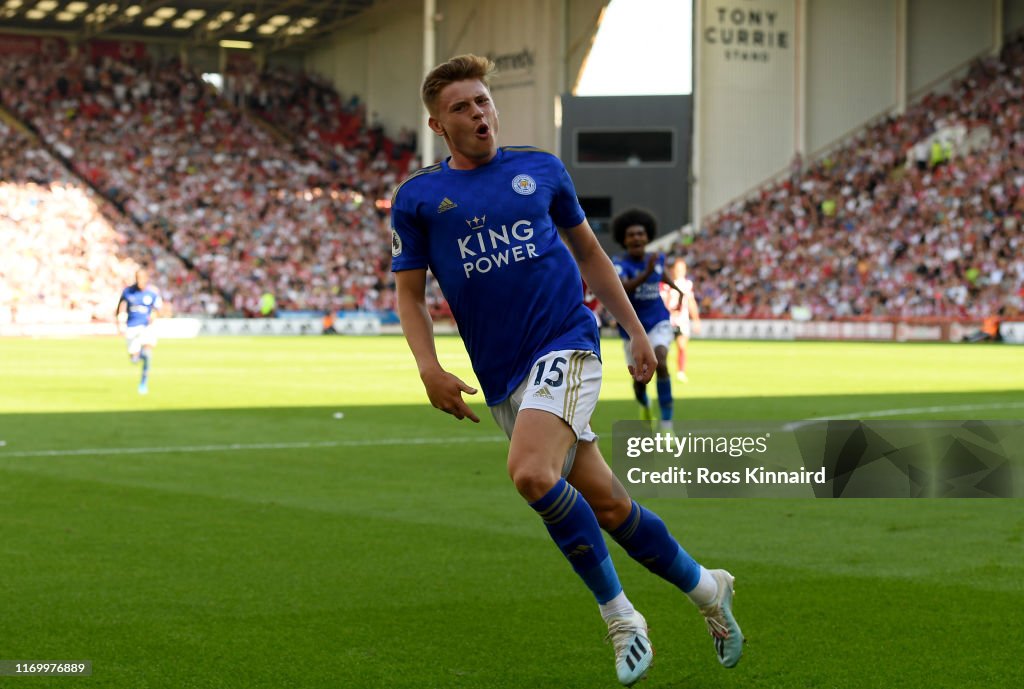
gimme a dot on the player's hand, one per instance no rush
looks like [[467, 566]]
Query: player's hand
[[652, 261], [643, 355], [445, 393], [696, 327]]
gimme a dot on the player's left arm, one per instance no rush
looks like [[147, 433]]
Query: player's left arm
[[691, 305], [158, 309], [604, 282], [668, 281]]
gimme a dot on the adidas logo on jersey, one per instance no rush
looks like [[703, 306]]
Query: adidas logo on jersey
[[446, 205], [544, 392]]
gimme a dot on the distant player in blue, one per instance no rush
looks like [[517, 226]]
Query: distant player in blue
[[142, 304], [642, 274], [486, 222]]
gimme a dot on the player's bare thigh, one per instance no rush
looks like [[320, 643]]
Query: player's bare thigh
[[536, 453]]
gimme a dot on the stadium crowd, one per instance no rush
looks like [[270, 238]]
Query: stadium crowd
[[277, 185], [234, 201], [323, 126], [872, 229], [67, 252]]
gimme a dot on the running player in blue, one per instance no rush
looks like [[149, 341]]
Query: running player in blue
[[142, 303], [642, 274], [486, 222]]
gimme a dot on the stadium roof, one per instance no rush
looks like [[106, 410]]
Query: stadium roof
[[273, 23]]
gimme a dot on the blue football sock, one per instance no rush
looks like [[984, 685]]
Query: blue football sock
[[665, 398], [644, 536], [574, 529], [145, 367]]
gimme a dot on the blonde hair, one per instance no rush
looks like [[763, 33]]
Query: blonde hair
[[458, 68]]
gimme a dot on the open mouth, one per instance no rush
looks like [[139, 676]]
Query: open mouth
[[483, 130]]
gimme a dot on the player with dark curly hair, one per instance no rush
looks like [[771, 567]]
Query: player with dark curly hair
[[642, 275]]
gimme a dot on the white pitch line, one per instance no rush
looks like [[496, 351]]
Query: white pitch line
[[236, 447], [878, 413]]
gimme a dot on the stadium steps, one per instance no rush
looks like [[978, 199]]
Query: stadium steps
[[278, 134], [14, 123], [164, 239]]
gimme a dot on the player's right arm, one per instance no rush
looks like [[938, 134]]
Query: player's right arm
[[630, 284], [443, 389]]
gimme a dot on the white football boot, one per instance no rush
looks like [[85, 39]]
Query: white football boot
[[721, 623], [633, 650]]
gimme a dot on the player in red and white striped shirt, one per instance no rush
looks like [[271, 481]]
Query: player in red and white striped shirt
[[685, 317]]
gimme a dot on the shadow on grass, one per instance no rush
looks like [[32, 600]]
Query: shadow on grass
[[420, 424]]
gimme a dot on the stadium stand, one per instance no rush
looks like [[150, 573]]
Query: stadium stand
[[877, 229], [235, 204], [67, 251], [324, 126], [918, 216]]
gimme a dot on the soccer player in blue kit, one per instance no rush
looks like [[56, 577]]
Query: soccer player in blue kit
[[486, 222], [141, 302], [642, 274]]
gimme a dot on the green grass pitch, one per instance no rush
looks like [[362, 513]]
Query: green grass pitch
[[228, 530]]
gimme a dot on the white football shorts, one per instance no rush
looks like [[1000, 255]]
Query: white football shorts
[[565, 383], [681, 324], [660, 335], [139, 336]]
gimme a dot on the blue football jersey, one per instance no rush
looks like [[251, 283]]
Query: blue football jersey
[[490, 237], [646, 298], [141, 304]]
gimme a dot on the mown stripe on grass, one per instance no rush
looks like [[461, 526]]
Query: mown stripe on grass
[[882, 413], [242, 447]]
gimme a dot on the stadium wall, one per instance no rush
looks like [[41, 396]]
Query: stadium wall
[[822, 70], [1013, 16], [844, 37], [378, 58], [910, 330], [539, 46], [944, 34], [745, 96]]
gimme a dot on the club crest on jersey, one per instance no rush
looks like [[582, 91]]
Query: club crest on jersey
[[396, 244], [524, 184]]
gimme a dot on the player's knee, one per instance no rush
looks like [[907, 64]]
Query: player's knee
[[661, 354], [533, 480], [611, 513]]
